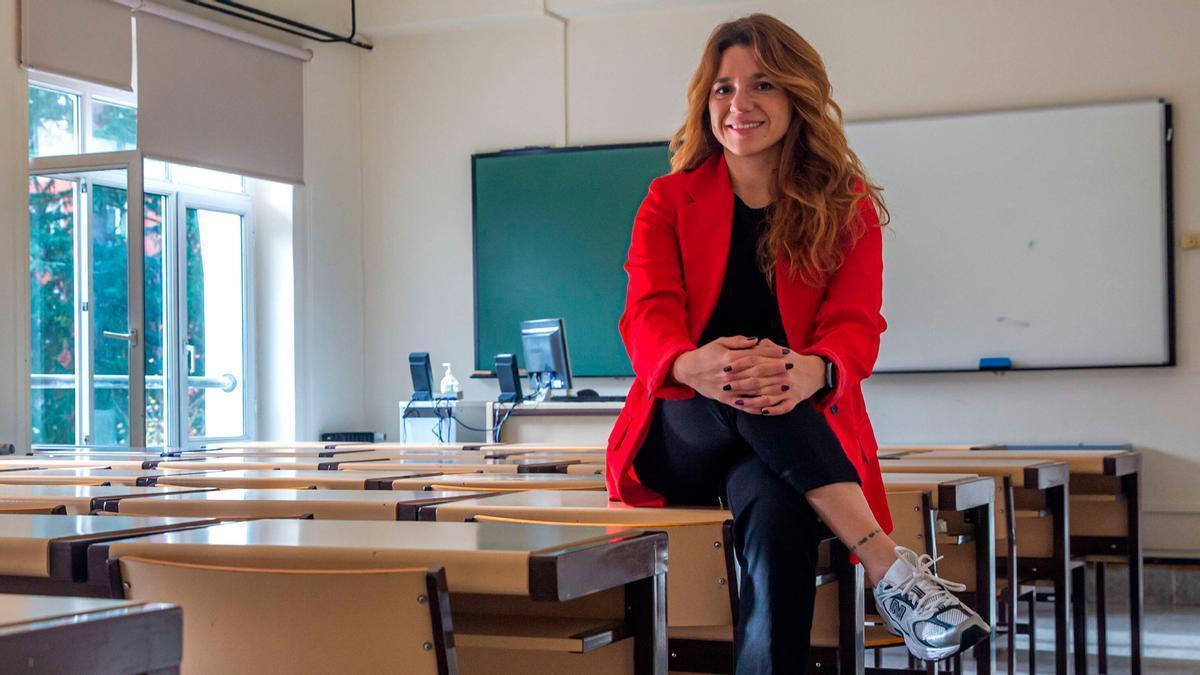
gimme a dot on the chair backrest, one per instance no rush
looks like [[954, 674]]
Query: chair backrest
[[300, 621], [47, 509], [699, 579]]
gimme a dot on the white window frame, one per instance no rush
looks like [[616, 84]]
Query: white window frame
[[179, 196]]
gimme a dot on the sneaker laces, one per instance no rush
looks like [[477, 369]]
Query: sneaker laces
[[937, 591]]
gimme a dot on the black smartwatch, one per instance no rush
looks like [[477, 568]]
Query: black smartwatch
[[830, 375]]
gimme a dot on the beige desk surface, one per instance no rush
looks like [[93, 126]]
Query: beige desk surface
[[80, 476], [25, 540], [271, 445], [324, 504], [1079, 461], [941, 485], [585, 470], [503, 481], [996, 468], [55, 463], [586, 457], [481, 465], [575, 506], [257, 463], [324, 480], [468, 456], [417, 447], [16, 610], [78, 498], [546, 447], [280, 453], [486, 558]]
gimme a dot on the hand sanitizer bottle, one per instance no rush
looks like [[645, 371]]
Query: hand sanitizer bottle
[[449, 386]]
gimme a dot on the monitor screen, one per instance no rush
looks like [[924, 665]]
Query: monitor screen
[[545, 344]]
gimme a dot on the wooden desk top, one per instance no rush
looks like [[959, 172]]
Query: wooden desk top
[[1094, 462], [273, 445], [1037, 474], [284, 478], [538, 561], [503, 481], [546, 447], [16, 610], [56, 463], [481, 465], [414, 447], [280, 453], [260, 463], [75, 635], [323, 504], [81, 499], [54, 546], [143, 477], [950, 491], [573, 506]]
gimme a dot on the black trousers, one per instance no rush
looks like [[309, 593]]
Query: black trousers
[[699, 451]]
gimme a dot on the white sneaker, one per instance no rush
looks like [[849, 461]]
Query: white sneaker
[[919, 606]]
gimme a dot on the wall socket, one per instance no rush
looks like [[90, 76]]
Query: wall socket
[[1189, 241]]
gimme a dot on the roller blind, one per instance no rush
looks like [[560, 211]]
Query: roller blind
[[88, 40], [213, 101]]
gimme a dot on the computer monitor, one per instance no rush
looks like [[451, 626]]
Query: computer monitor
[[422, 376], [545, 344]]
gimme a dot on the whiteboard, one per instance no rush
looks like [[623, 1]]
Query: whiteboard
[[1041, 236]]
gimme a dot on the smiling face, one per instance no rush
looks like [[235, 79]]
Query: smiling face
[[749, 113]]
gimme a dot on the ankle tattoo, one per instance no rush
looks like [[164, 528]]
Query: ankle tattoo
[[865, 539]]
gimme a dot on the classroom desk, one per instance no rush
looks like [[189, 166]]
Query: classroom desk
[[262, 463], [139, 477], [48, 554], [293, 480], [414, 447], [321, 504], [966, 503], [227, 453], [498, 482], [81, 499], [1106, 523], [275, 445], [1040, 491], [41, 634], [585, 470], [546, 447], [578, 457], [522, 466], [502, 578], [701, 582], [76, 462]]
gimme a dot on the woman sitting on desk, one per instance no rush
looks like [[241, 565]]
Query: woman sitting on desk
[[767, 227]]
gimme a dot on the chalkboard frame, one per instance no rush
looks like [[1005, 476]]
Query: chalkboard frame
[[516, 152]]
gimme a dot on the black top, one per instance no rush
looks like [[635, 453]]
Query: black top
[[747, 305]]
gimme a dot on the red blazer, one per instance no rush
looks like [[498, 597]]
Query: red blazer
[[676, 267]]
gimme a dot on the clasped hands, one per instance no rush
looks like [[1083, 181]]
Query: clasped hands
[[750, 374]]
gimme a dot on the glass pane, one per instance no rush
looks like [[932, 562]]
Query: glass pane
[[155, 320], [206, 178], [110, 312], [52, 116], [114, 127], [52, 228], [153, 169], [214, 328]]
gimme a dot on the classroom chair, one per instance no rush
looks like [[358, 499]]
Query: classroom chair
[[299, 621]]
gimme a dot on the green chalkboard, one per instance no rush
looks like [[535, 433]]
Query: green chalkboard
[[552, 230]]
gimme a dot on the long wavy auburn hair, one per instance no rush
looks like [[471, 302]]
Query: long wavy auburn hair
[[819, 181]]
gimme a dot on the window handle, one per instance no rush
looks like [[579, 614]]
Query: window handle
[[191, 359], [130, 337]]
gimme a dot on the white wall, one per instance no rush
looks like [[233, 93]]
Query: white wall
[[14, 263], [274, 309], [436, 90], [329, 249]]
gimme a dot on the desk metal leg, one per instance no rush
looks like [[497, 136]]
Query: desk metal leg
[[1033, 633], [851, 659], [1060, 574], [1131, 485], [1101, 621], [985, 584], [646, 614], [1079, 617]]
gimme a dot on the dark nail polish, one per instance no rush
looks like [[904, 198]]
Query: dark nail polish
[[764, 411], [752, 338], [727, 387], [786, 351], [789, 366], [740, 402], [727, 368], [785, 387]]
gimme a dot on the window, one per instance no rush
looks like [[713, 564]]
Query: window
[[196, 284]]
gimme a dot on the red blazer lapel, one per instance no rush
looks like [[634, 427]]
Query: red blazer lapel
[[705, 228]]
